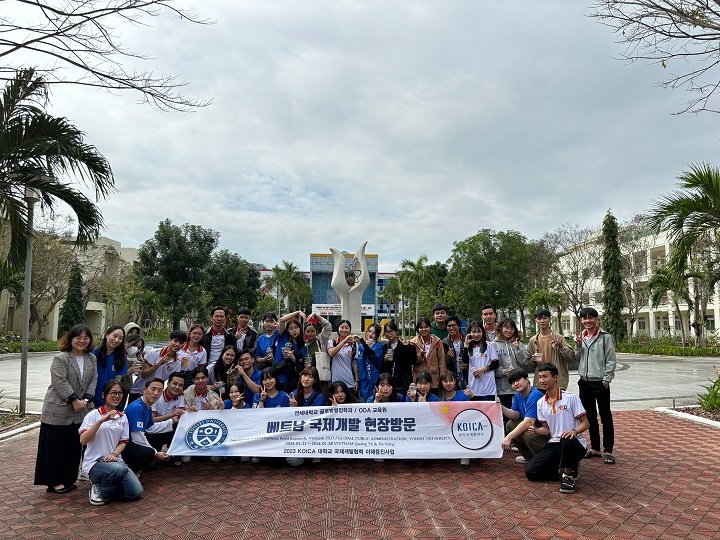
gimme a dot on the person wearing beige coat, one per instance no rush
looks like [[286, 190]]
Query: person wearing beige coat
[[73, 376], [430, 353]]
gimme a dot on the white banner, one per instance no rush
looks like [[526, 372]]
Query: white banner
[[458, 429]]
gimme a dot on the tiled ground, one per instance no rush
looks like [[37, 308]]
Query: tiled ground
[[666, 484]]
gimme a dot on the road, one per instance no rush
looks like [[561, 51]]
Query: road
[[641, 382]]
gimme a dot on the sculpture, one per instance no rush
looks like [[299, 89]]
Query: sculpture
[[350, 288]]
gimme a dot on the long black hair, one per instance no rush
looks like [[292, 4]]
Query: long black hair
[[120, 354]]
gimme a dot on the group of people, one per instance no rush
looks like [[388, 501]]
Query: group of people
[[114, 407]]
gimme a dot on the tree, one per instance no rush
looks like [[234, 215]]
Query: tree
[[393, 293], [172, 264], [52, 261], [78, 43], [265, 303], [290, 283], [577, 252], [690, 213], [73, 310], [544, 298], [415, 272], [684, 33], [636, 239], [488, 267], [36, 152], [665, 280], [613, 300], [231, 281]]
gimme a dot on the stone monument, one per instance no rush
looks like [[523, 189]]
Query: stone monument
[[350, 285]]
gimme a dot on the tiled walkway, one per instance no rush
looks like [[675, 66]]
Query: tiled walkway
[[666, 484]]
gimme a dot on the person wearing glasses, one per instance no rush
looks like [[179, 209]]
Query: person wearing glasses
[[399, 358], [73, 375], [548, 347], [453, 344], [106, 431]]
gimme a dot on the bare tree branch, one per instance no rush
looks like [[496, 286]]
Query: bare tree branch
[[674, 34], [78, 39]]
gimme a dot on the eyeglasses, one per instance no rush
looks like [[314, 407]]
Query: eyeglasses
[[115, 394], [452, 326]]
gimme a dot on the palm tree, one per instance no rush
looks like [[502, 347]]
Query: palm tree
[[415, 274], [689, 214], [665, 279], [36, 150], [393, 294], [290, 283]]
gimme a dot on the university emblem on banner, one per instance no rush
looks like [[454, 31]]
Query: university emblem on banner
[[472, 429], [206, 434]]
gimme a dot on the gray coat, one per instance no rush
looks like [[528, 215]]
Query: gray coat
[[65, 383]]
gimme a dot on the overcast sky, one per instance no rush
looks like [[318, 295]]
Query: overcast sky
[[410, 124]]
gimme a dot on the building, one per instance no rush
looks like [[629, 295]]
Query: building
[[652, 321]]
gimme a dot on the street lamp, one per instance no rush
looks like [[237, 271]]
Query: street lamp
[[32, 197]]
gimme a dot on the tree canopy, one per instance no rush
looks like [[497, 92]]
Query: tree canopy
[[613, 300]]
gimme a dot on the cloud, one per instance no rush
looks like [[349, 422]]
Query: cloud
[[408, 124]]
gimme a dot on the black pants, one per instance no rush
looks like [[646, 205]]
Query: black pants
[[157, 440], [58, 456], [592, 392], [137, 456], [544, 465], [506, 400]]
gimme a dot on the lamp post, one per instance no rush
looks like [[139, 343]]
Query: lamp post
[[31, 197]]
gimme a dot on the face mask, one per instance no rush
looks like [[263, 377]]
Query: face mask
[[132, 351]]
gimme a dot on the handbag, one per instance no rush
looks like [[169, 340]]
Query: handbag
[[322, 363]]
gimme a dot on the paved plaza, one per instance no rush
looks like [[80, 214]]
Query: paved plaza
[[664, 485]]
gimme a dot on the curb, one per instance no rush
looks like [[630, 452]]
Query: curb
[[679, 414], [18, 431]]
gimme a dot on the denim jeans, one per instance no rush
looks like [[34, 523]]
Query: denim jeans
[[115, 479]]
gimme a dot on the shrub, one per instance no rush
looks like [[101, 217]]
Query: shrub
[[33, 346], [710, 399]]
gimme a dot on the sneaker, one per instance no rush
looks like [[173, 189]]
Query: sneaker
[[576, 473], [83, 477], [514, 449], [521, 459], [255, 460], [95, 498], [315, 460], [567, 484], [465, 461], [244, 459], [185, 459], [214, 458]]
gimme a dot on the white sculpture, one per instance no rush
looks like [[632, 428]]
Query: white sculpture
[[350, 288]]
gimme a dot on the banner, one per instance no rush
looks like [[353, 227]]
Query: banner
[[455, 429]]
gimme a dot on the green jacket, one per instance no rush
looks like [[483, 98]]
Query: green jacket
[[597, 362]]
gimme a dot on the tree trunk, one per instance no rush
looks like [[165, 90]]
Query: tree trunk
[[682, 326]]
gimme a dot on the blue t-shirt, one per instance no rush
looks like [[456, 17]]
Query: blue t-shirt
[[264, 343], [280, 357], [369, 366], [228, 404], [460, 396], [106, 374], [281, 400], [399, 399], [316, 399], [527, 406], [249, 394], [429, 398], [139, 416]]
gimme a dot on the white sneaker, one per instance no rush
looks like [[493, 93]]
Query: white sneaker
[[255, 460], [315, 460], [185, 459], [514, 449], [83, 477], [465, 461], [95, 498], [244, 459], [521, 459]]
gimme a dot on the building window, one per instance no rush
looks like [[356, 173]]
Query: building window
[[641, 324], [710, 323]]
